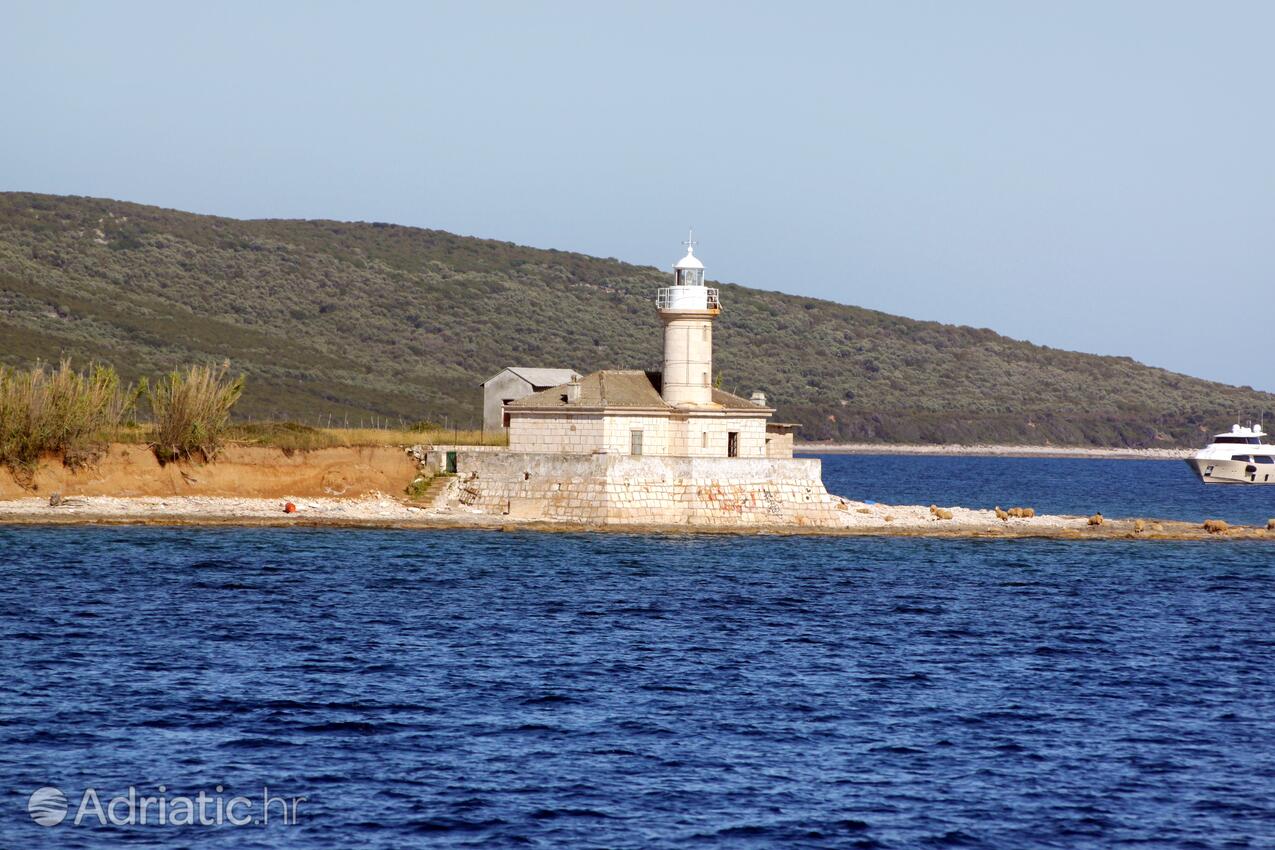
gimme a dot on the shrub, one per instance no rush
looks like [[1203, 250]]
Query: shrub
[[191, 411], [58, 411]]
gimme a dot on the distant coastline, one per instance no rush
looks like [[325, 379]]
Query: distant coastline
[[1111, 453]]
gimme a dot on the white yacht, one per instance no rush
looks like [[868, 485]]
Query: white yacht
[[1236, 457]]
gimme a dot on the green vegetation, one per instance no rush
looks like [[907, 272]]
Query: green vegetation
[[419, 487], [58, 411], [190, 411], [340, 325]]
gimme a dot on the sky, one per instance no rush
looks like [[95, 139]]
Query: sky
[[1096, 176]]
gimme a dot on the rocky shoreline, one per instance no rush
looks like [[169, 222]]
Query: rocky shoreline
[[380, 511]]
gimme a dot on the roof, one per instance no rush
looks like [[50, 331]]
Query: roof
[[538, 377], [690, 261], [607, 388], [620, 388]]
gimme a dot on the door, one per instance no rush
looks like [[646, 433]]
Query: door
[[732, 444], [451, 463]]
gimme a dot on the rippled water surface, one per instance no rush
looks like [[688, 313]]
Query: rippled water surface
[[1164, 489], [523, 690]]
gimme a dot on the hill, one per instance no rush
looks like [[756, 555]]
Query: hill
[[343, 322]]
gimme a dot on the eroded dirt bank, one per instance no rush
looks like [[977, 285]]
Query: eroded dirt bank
[[240, 471]]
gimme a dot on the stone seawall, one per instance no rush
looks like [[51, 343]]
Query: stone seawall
[[623, 489]]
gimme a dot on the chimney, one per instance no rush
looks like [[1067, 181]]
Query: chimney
[[758, 398], [573, 391]]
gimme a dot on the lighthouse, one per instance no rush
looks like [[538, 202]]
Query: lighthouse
[[687, 309]]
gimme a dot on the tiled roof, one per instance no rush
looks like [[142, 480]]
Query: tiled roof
[[621, 388], [608, 388]]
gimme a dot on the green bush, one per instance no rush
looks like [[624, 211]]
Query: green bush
[[191, 411]]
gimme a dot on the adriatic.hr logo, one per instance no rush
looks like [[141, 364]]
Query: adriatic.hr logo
[[49, 806]]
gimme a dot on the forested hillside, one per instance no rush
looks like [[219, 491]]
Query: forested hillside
[[354, 320]]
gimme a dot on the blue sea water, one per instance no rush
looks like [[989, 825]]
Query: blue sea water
[[480, 689], [1160, 489]]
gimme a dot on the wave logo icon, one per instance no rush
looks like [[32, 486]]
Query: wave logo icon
[[47, 806]]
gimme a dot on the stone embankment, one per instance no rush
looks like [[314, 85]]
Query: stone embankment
[[612, 489]]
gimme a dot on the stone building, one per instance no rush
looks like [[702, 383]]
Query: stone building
[[513, 383], [677, 412]]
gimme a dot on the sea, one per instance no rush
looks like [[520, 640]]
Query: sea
[[1116, 488], [311, 688]]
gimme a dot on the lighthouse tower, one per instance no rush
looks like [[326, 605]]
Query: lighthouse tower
[[688, 309]]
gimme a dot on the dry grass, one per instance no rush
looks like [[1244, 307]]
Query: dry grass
[[291, 436], [398, 437], [191, 411], [62, 411], [58, 411]]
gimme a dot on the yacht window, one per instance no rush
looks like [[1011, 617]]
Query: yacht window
[[1254, 441], [1263, 459], [1243, 458], [1240, 440]]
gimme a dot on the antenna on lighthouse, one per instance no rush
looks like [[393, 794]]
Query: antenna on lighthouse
[[690, 242]]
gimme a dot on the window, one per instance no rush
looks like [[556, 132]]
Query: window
[[635, 442], [1263, 459], [732, 444], [1243, 458], [703, 440], [705, 379]]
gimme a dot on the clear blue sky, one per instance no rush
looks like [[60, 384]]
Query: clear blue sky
[[1089, 175]]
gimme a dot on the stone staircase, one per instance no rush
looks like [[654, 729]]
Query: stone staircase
[[435, 494]]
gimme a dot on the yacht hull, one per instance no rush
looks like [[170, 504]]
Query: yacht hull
[[1231, 471]]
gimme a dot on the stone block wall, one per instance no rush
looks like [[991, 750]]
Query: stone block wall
[[779, 444], [610, 489], [706, 436], [679, 435], [618, 430], [535, 432]]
